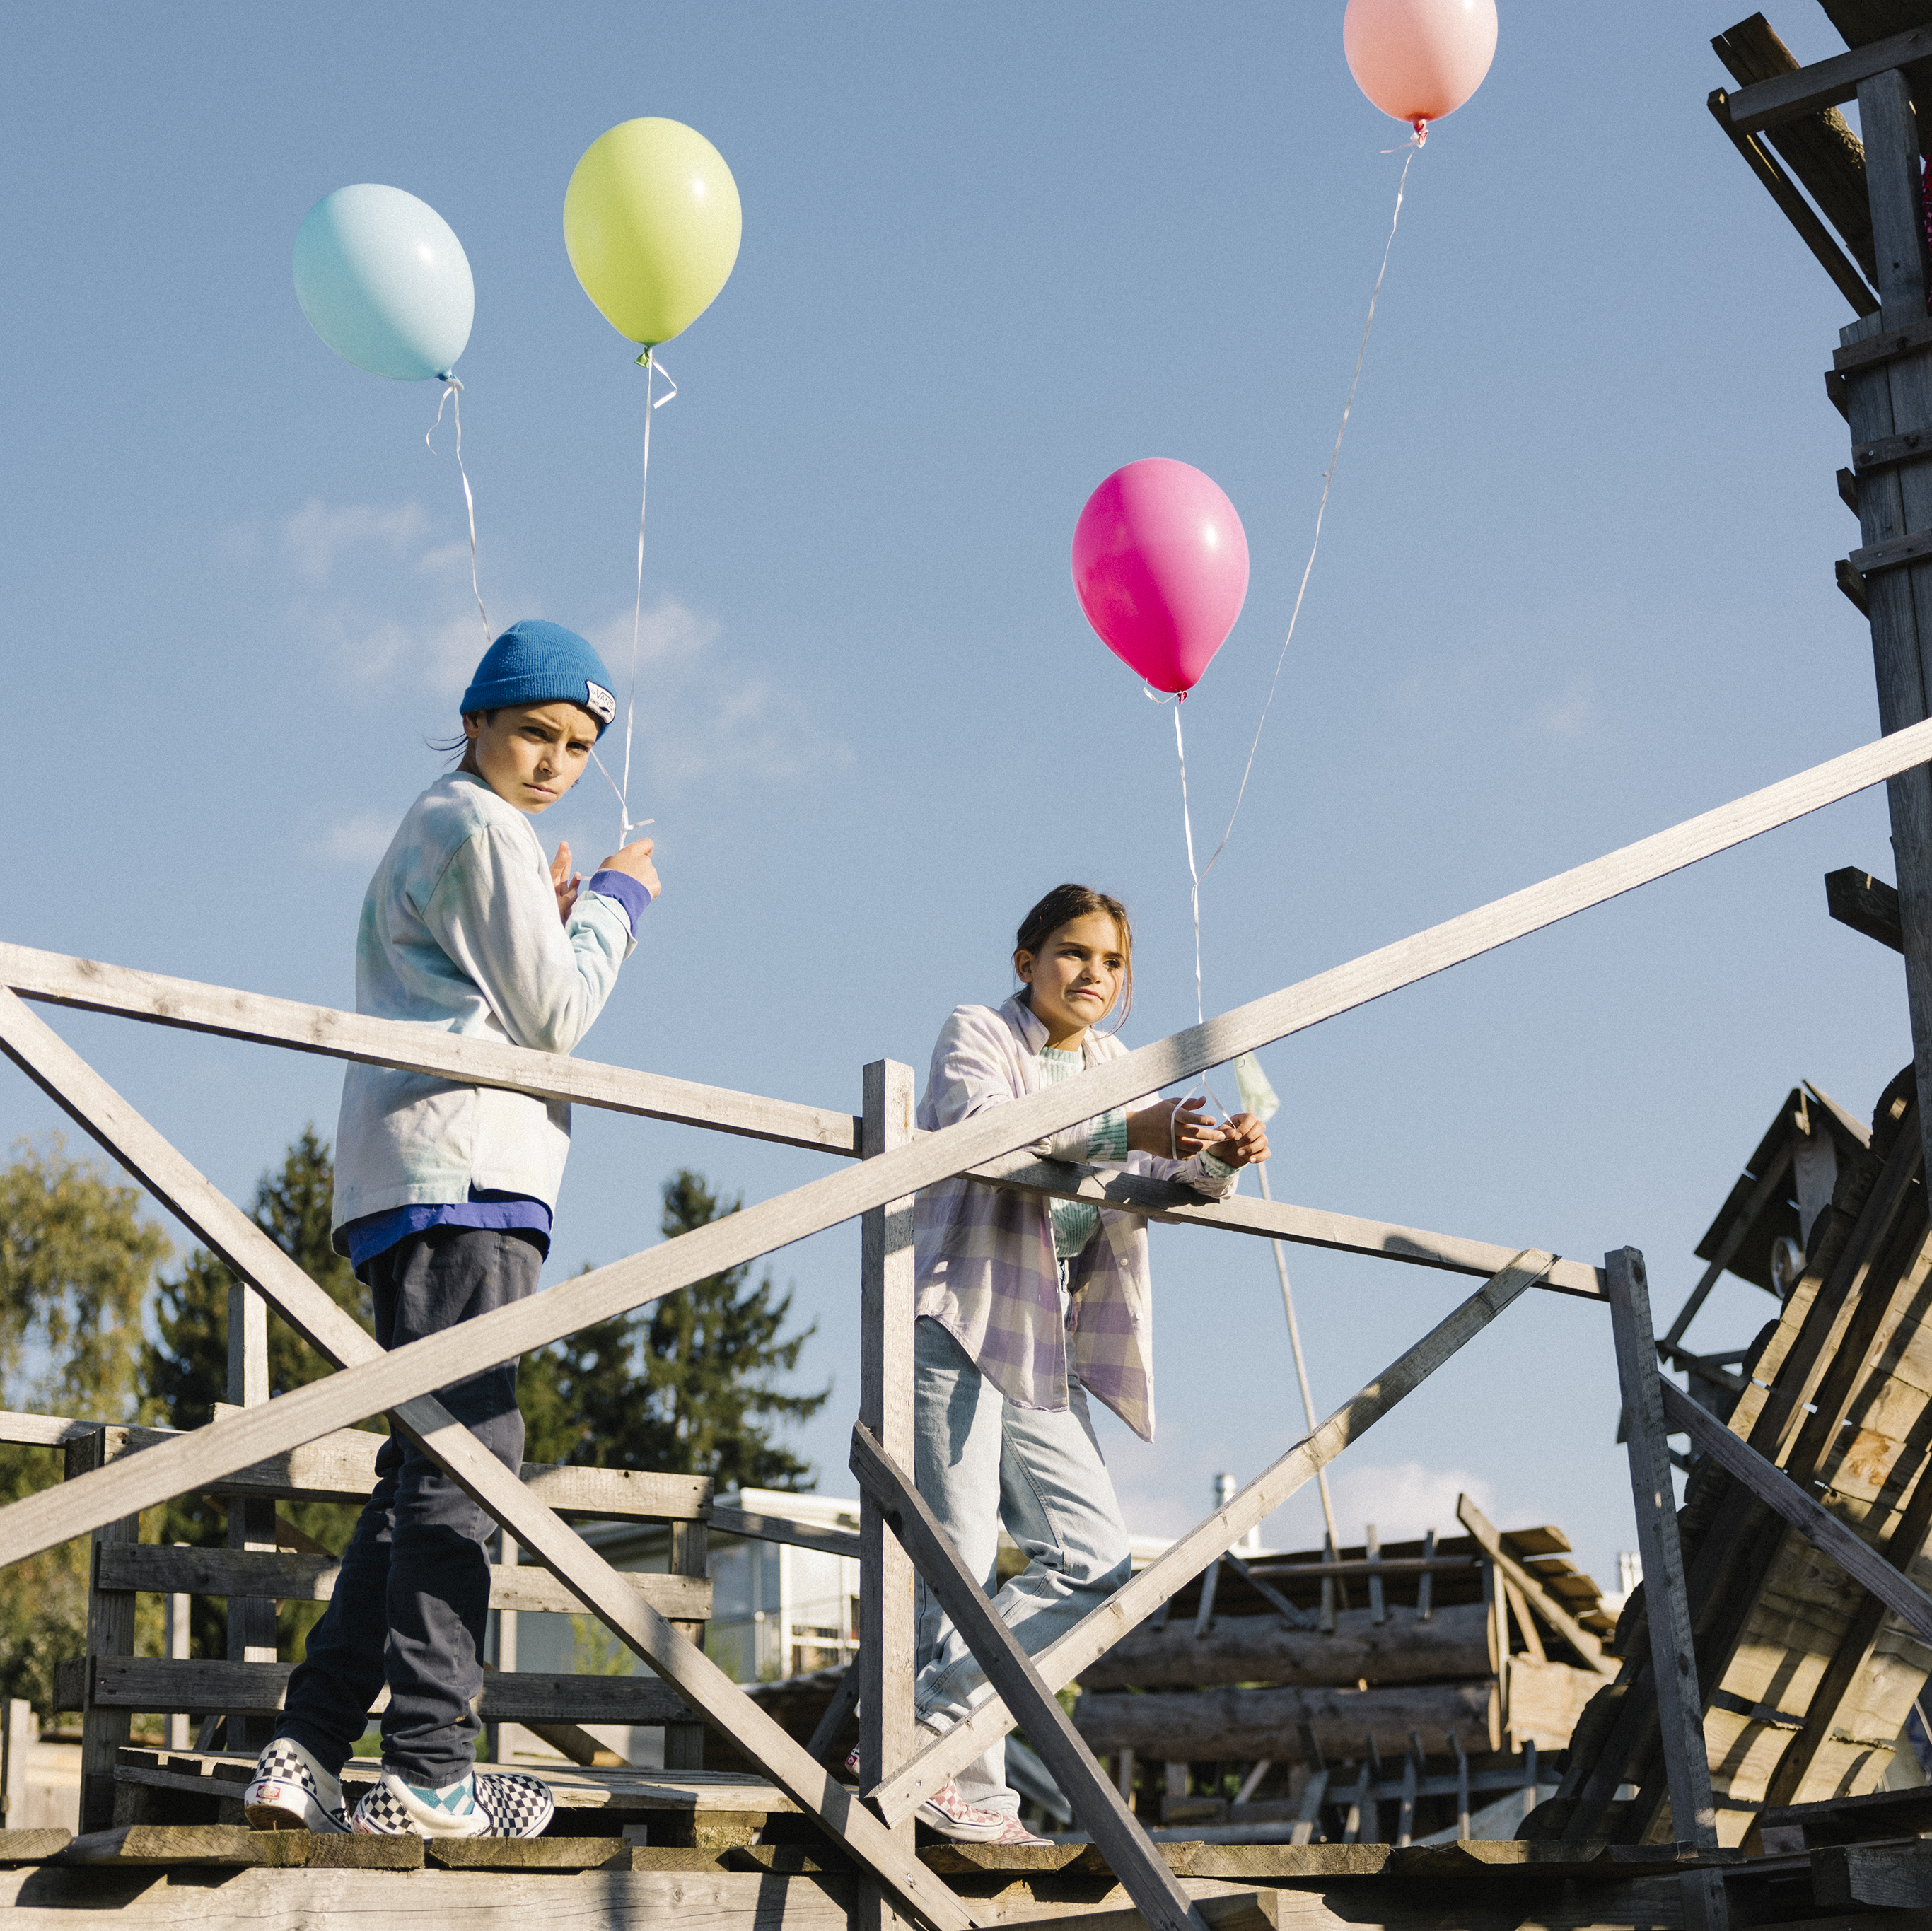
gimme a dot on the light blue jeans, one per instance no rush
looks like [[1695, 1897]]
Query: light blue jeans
[[980, 1462]]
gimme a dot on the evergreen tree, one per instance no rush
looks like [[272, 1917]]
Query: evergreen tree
[[686, 1385], [75, 1261]]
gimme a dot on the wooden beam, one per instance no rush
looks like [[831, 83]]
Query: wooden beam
[[1547, 1604], [1673, 1654], [1179, 1205], [41, 1520], [1866, 904], [1817, 1525], [755, 1527], [843, 1701], [1099, 1629], [1768, 1181], [254, 1258], [91, 987], [169, 1569], [1097, 1805], [887, 1658], [1843, 270], [1825, 83]]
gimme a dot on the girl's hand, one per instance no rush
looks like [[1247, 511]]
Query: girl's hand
[[1172, 1129], [566, 882], [1243, 1141]]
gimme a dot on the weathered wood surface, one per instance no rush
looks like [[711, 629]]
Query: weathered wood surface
[[1547, 1603], [176, 1845], [1096, 1632], [1672, 1649], [54, 1898], [168, 1568], [1273, 1220], [1889, 1877], [32, 1846], [1824, 83], [1454, 1641], [92, 987], [1228, 1725], [1866, 904], [757, 1527], [40, 1522], [529, 1854], [163, 1683], [697, 1793], [1098, 1806]]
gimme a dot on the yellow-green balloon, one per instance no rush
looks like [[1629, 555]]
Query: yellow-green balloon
[[651, 220]]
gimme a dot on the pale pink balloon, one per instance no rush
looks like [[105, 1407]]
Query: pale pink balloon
[[1419, 59], [1160, 566]]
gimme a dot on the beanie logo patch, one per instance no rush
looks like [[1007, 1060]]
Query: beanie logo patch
[[599, 703]]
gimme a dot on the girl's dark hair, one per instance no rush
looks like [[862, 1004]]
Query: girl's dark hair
[[1061, 907]]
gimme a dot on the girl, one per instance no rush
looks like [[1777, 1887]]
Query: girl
[[1025, 1309], [443, 1194]]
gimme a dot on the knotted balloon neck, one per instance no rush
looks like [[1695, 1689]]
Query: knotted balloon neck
[[1418, 136], [652, 369], [452, 395]]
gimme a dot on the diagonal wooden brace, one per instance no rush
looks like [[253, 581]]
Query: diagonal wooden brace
[[1097, 1633], [1818, 1526], [37, 1522], [227, 1231], [1130, 1854]]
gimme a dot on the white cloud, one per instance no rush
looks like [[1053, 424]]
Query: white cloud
[[1405, 1499], [316, 535], [361, 840]]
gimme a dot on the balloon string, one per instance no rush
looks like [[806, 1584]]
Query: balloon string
[[1187, 827], [453, 395], [1322, 511], [652, 369]]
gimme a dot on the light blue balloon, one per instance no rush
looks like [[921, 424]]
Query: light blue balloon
[[384, 281]]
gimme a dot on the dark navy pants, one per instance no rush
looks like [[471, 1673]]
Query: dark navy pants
[[410, 1604]]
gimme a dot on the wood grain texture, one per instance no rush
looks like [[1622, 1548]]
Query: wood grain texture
[[755, 1526], [1824, 83], [1097, 1631], [1098, 1806], [1547, 1604], [39, 1521], [92, 987], [172, 1568]]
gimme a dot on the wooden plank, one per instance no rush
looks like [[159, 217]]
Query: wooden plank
[[254, 1258], [1866, 904], [838, 1711], [1295, 1618], [40, 1520], [165, 1570], [1673, 1654], [1769, 1183], [529, 1854], [1096, 1803], [690, 1558], [110, 1635], [32, 1847], [755, 1527], [1824, 83], [92, 987], [1888, 345], [886, 1659], [1225, 1724], [1821, 1529], [192, 1845], [1894, 553], [1272, 1220], [514, 1696], [1547, 1606], [1886, 450], [1100, 1629]]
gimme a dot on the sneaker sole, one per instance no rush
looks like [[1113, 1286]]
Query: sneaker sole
[[960, 1833], [281, 1817]]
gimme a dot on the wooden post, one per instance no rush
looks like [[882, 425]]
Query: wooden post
[[110, 1632], [690, 1555], [1886, 399], [251, 1522], [177, 1632], [1680, 1708], [21, 1730], [885, 1635]]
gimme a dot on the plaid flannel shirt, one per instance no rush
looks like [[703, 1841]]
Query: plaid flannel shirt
[[984, 1255]]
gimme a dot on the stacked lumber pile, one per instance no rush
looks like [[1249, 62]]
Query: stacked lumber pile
[[1806, 1680]]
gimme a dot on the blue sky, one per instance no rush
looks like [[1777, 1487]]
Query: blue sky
[[1575, 586]]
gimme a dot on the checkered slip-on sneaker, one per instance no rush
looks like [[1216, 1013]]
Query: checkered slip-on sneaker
[[1016, 1835], [949, 1813], [291, 1791], [484, 1804]]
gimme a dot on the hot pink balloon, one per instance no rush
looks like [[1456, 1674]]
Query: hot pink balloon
[[1419, 59], [1160, 566]]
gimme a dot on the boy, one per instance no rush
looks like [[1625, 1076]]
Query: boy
[[443, 1195]]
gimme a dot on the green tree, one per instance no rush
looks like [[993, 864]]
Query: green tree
[[689, 1385], [75, 1258], [186, 1366]]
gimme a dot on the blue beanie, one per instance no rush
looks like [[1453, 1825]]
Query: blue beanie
[[534, 662]]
